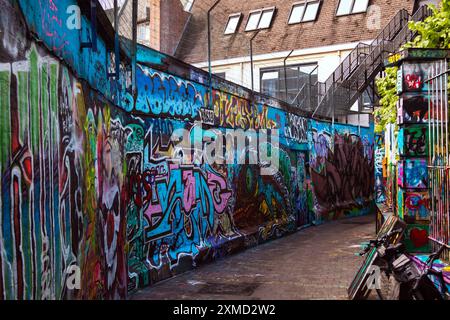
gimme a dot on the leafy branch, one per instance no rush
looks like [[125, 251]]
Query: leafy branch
[[387, 112], [433, 32]]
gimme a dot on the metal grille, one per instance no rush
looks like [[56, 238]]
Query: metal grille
[[439, 162], [130, 20], [125, 23]]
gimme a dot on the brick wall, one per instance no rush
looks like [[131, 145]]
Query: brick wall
[[168, 21], [173, 22], [155, 21], [326, 30]]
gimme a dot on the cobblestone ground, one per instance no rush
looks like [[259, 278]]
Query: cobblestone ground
[[315, 263]]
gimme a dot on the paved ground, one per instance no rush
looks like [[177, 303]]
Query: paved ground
[[315, 263]]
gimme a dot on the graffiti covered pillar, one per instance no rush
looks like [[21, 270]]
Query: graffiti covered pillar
[[413, 192]]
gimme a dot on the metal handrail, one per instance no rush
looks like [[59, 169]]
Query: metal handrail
[[394, 25], [298, 93], [395, 34], [381, 36]]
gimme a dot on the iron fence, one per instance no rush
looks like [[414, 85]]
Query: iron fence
[[439, 162]]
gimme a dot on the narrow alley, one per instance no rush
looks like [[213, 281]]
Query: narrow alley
[[224, 150], [314, 263]]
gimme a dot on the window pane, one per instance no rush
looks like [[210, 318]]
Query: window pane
[[143, 33], [221, 75], [253, 20], [270, 87], [308, 69], [360, 6], [270, 82], [297, 13], [345, 7], [311, 11], [232, 24], [366, 99], [266, 19], [274, 82], [270, 75]]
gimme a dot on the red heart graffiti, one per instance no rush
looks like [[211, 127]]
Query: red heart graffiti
[[419, 237]]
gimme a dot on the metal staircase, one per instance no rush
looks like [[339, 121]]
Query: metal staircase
[[357, 72]]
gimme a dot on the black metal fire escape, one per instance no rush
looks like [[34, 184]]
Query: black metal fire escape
[[357, 72]]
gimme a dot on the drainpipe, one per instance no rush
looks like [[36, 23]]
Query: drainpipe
[[134, 52], [92, 40], [241, 65], [209, 51], [360, 101], [251, 58], [117, 50], [285, 74]]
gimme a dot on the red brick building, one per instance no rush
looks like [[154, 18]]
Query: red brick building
[[311, 36]]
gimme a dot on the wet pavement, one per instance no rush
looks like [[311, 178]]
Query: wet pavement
[[314, 263]]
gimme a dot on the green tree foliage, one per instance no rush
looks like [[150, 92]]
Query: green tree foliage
[[433, 32], [387, 112]]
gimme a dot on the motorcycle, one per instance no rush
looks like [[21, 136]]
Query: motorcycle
[[391, 272]]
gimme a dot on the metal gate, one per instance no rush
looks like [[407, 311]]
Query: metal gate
[[439, 162]]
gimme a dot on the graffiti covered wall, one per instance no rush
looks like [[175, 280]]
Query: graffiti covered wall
[[62, 178], [342, 169], [99, 199], [380, 169], [183, 215]]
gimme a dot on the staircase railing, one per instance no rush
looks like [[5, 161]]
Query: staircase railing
[[352, 77]]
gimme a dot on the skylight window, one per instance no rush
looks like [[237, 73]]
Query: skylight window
[[347, 7], [233, 22], [297, 13], [187, 5], [360, 6], [266, 19], [260, 19], [304, 12], [253, 20]]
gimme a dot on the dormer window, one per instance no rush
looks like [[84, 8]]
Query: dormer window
[[260, 19], [304, 11], [233, 23], [347, 7], [187, 5]]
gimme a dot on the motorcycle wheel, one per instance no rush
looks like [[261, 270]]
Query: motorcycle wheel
[[389, 289]]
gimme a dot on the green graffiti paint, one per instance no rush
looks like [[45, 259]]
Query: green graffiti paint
[[34, 101], [22, 77], [44, 106], [5, 120], [34, 131], [54, 98], [5, 141]]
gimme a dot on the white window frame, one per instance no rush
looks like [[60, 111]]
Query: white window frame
[[140, 26], [234, 15], [351, 9], [260, 12], [305, 4]]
